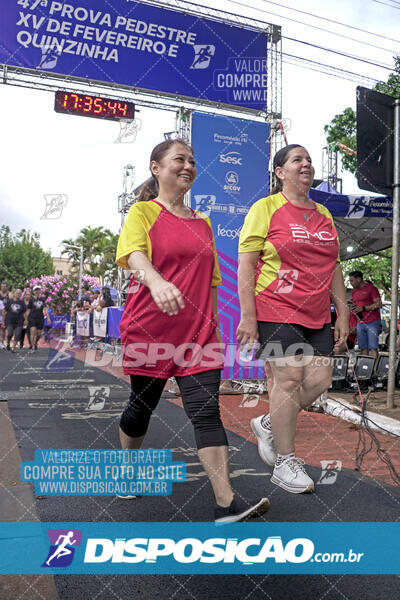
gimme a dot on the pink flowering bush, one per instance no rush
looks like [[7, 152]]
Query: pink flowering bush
[[60, 291]]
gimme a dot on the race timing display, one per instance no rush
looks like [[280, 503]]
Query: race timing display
[[71, 103]]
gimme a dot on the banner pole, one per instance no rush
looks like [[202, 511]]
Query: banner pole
[[395, 257]]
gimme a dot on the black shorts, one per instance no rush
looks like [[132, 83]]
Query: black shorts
[[37, 322], [278, 340]]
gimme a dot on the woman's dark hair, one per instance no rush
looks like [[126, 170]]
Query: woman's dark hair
[[279, 160], [108, 301], [149, 189]]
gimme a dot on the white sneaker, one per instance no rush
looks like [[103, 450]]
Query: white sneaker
[[126, 497], [292, 476], [265, 439]]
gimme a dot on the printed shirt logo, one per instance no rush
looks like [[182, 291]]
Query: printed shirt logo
[[202, 56], [301, 232], [62, 547]]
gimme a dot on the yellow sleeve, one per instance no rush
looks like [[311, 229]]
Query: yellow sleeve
[[135, 232], [216, 276], [255, 228]]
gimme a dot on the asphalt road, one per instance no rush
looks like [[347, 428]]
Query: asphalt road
[[55, 409]]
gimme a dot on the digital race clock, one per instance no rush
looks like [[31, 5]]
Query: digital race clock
[[71, 103]]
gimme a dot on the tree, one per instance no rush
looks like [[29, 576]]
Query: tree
[[22, 257], [343, 127], [375, 267], [99, 249]]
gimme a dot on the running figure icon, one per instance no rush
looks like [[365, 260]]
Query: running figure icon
[[62, 549]]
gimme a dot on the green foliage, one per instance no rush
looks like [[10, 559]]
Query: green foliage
[[21, 257], [375, 267], [99, 249], [392, 86], [343, 127]]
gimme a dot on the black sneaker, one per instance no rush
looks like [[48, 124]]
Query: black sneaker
[[241, 510]]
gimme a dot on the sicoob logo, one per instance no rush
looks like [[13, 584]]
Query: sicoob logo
[[62, 550]]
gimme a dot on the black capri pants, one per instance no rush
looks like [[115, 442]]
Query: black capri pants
[[200, 395], [14, 328]]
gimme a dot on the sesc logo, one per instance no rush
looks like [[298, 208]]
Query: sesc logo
[[229, 233], [231, 158]]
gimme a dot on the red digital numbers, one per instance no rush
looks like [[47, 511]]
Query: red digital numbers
[[93, 106], [87, 105], [122, 107], [98, 106]]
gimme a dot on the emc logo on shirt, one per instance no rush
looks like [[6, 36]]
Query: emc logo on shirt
[[301, 232]]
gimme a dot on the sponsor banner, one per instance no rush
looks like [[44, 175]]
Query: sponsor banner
[[135, 44], [114, 320], [82, 322], [200, 548], [59, 321], [353, 206], [100, 322], [232, 173]]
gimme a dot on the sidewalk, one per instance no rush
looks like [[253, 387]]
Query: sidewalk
[[18, 504]]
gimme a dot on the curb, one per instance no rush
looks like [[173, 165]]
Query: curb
[[348, 412]]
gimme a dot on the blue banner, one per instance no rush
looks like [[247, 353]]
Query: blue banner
[[59, 321], [232, 165], [200, 548], [354, 206], [113, 321], [134, 44]]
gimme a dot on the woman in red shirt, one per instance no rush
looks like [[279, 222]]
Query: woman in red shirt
[[288, 271], [170, 324]]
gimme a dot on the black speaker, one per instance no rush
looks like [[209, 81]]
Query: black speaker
[[364, 366], [340, 364], [382, 367], [375, 124]]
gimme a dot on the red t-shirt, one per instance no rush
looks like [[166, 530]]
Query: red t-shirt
[[353, 320], [364, 296], [183, 252], [298, 252]]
